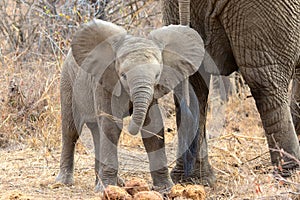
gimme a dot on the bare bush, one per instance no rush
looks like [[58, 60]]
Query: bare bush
[[44, 26], [35, 36]]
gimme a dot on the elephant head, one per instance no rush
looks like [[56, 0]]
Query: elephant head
[[146, 67]]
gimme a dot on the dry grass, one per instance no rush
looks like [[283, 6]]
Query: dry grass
[[30, 116], [239, 159]]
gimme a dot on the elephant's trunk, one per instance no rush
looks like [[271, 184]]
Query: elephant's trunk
[[184, 12], [141, 91], [185, 18]]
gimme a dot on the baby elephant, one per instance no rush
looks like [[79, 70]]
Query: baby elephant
[[109, 75]]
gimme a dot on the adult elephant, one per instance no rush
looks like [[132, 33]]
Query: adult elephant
[[260, 38]]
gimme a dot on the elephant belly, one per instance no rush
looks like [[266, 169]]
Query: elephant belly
[[262, 33], [219, 59], [264, 36]]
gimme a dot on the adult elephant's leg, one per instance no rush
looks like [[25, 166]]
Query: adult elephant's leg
[[295, 102], [202, 171], [267, 68], [153, 139], [270, 91]]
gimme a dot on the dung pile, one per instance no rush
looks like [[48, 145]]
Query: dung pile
[[138, 189]]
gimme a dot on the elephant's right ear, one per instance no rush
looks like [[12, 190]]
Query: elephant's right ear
[[93, 45], [182, 53]]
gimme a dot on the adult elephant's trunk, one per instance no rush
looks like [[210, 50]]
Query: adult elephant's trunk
[[187, 143], [184, 12], [185, 18], [141, 91]]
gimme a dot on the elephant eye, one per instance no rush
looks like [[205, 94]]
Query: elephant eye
[[123, 76]]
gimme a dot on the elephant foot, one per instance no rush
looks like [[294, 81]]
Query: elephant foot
[[120, 181], [285, 163], [162, 181], [101, 185], [286, 169], [163, 187], [202, 174], [65, 177]]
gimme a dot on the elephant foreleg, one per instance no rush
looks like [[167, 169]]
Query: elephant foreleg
[[106, 158], [96, 139], [153, 139]]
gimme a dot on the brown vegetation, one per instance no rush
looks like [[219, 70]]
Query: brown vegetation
[[35, 36]]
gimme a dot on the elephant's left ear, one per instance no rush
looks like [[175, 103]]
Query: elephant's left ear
[[182, 53]]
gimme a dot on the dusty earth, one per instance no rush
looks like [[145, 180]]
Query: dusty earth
[[237, 151]]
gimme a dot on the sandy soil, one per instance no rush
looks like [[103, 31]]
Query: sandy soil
[[237, 150]]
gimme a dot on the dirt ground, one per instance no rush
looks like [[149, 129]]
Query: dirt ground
[[238, 153]]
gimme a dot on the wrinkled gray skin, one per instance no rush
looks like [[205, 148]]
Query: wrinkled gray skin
[[109, 75], [261, 39]]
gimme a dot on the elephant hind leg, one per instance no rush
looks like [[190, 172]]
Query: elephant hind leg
[[280, 133], [295, 102], [70, 134], [69, 138], [270, 91], [94, 128]]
